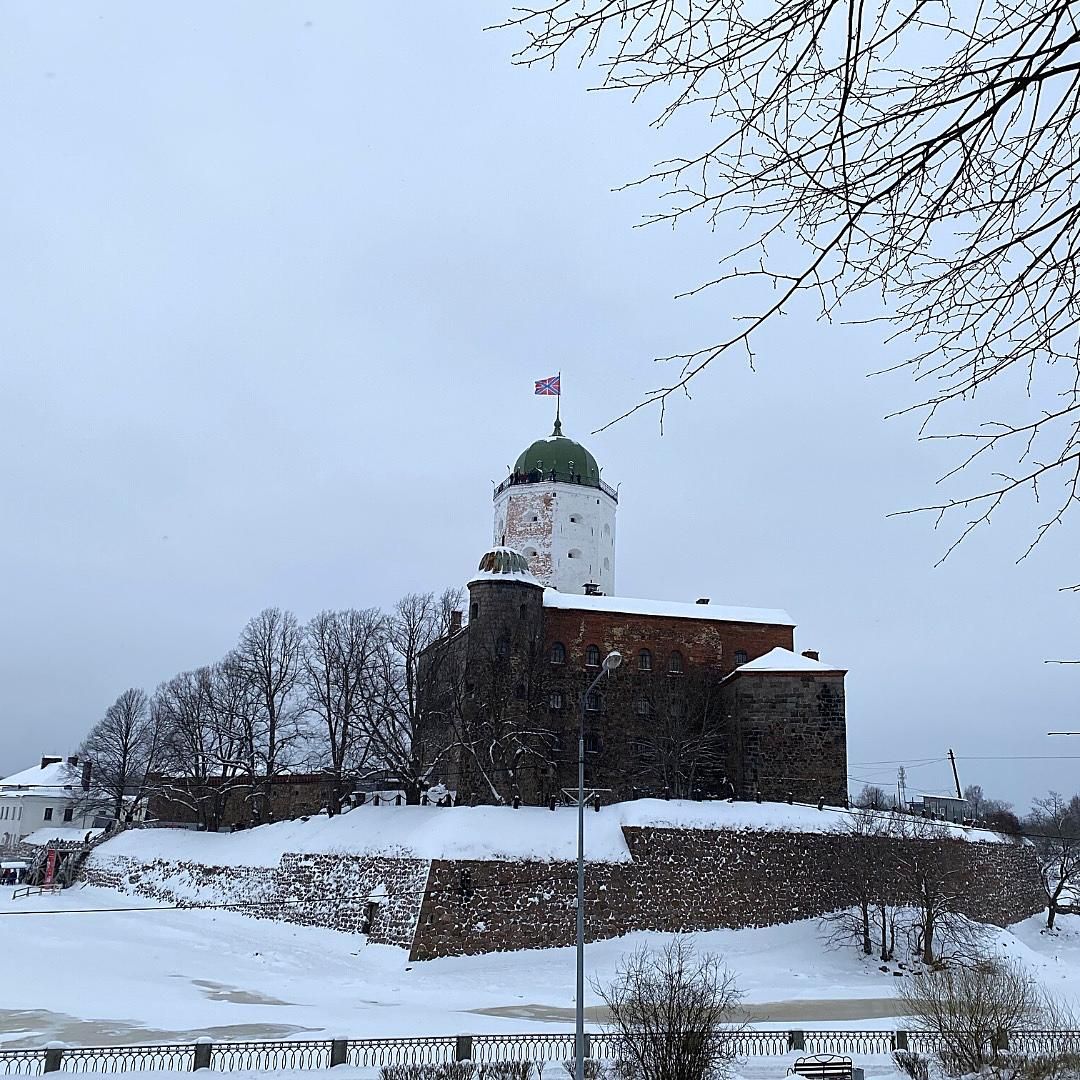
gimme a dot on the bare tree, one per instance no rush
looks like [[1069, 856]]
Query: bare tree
[[340, 677], [926, 155], [124, 749], [681, 733], [873, 798], [671, 1014], [1054, 828], [968, 1008], [202, 728], [390, 720], [269, 657]]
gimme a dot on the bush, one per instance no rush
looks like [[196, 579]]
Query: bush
[[460, 1070], [915, 1065], [670, 1015], [594, 1069]]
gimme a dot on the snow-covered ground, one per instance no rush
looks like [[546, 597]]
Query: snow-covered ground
[[99, 976], [478, 832]]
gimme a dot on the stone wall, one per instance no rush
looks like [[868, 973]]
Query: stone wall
[[690, 880]]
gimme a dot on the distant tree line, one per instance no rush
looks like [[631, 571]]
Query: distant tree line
[[337, 696]]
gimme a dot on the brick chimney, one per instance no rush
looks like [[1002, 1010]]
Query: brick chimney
[[811, 654], [455, 621], [73, 761], [703, 600], [47, 761], [87, 768]]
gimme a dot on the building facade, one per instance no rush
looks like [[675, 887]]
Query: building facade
[[49, 795], [709, 700]]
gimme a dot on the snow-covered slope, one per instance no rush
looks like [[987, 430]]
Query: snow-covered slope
[[481, 832]]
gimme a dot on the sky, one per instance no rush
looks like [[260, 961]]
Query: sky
[[277, 281]]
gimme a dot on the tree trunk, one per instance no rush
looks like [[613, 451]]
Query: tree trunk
[[1051, 914], [864, 911]]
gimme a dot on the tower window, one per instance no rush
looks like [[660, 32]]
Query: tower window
[[592, 743], [592, 702], [558, 653], [555, 699], [644, 660], [574, 553], [574, 519], [523, 610], [504, 646], [474, 610], [675, 663], [519, 691], [592, 656], [643, 705], [678, 709], [740, 657]]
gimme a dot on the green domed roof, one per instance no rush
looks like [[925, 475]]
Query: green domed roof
[[570, 460]]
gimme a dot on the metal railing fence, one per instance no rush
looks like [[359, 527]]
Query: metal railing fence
[[268, 1055]]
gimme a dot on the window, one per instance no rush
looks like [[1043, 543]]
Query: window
[[48, 813], [555, 699], [740, 657], [592, 656], [68, 813], [675, 663], [678, 709], [574, 553], [644, 660], [504, 646], [474, 610], [643, 706], [574, 519], [592, 702], [558, 653], [519, 691], [592, 743], [523, 610]]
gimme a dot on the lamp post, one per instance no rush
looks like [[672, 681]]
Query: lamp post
[[611, 662]]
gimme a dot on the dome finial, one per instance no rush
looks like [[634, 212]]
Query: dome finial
[[558, 427]]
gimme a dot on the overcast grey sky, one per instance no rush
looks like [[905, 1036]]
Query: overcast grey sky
[[277, 278]]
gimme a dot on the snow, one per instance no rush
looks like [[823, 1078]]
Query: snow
[[58, 775], [784, 660], [46, 835], [190, 973], [496, 833], [625, 605]]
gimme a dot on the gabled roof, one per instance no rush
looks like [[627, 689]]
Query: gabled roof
[[786, 661], [672, 609], [58, 774]]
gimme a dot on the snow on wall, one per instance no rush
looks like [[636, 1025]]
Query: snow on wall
[[566, 531]]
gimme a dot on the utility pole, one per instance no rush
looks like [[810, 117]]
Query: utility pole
[[956, 778], [901, 788]]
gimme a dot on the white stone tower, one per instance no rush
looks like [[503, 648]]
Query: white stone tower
[[560, 515]]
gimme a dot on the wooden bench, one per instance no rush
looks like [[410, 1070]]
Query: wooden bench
[[822, 1067]]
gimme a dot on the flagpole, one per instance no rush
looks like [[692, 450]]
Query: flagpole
[[558, 401]]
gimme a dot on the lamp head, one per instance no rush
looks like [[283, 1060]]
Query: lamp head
[[612, 660]]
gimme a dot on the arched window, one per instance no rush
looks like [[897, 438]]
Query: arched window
[[740, 657], [675, 665], [555, 699], [644, 660], [558, 653], [474, 610], [592, 702], [592, 743], [592, 656], [643, 705]]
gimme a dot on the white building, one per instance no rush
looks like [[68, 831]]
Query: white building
[[43, 797], [555, 509]]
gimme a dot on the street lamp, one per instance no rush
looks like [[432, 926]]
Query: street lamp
[[611, 662]]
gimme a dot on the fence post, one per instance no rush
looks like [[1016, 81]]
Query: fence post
[[339, 1052], [202, 1053], [54, 1056], [900, 1040], [999, 1041], [588, 1045], [796, 1040], [463, 1048]]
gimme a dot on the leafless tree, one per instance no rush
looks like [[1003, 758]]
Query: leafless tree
[[873, 798], [202, 726], [268, 656], [936, 874], [925, 155], [967, 1008], [681, 733], [1054, 828], [341, 682], [124, 749], [390, 721], [671, 1014]]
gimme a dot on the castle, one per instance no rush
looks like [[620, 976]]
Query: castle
[[709, 700]]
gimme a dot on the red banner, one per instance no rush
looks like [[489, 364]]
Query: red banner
[[50, 867]]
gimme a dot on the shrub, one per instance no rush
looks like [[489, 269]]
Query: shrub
[[915, 1065]]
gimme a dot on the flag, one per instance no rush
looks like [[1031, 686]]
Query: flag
[[549, 387]]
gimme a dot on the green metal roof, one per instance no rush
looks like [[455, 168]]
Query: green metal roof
[[570, 460]]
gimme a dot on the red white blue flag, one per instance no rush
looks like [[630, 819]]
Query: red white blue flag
[[549, 387]]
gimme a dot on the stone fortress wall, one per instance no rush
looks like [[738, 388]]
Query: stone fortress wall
[[676, 879]]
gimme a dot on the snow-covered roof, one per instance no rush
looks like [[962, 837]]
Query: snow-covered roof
[[55, 775], [60, 834], [672, 609], [784, 660]]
